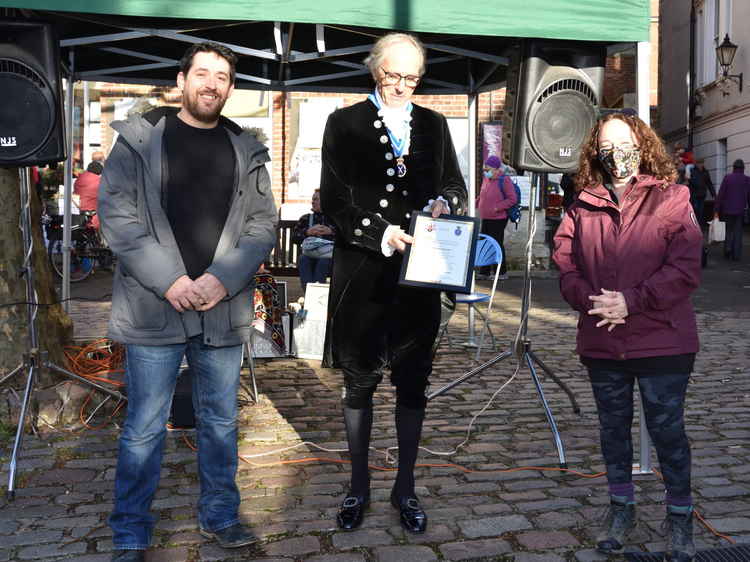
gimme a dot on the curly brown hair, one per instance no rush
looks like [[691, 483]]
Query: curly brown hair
[[655, 161]]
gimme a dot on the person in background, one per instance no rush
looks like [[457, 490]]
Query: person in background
[[567, 184], [496, 196], [188, 243], [629, 255], [700, 184], [311, 269], [383, 159], [87, 189], [98, 156], [733, 198]]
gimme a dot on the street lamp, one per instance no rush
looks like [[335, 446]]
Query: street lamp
[[725, 53]]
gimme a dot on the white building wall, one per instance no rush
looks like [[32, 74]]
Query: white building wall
[[722, 124]]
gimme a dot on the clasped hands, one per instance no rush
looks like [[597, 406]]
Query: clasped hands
[[202, 294], [319, 230], [399, 239], [611, 307]]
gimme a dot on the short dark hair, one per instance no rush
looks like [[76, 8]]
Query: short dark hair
[[95, 168], [208, 47], [739, 164]]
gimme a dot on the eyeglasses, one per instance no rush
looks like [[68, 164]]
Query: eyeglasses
[[393, 78]]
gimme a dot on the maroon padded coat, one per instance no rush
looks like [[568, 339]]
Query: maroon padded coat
[[650, 250]]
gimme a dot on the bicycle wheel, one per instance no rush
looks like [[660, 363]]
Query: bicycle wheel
[[81, 265], [54, 251]]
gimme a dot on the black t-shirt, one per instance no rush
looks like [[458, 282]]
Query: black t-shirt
[[199, 183]]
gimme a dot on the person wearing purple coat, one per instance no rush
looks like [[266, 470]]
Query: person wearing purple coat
[[629, 253], [734, 196]]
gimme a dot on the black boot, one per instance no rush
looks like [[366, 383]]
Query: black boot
[[358, 427], [679, 530], [617, 526], [403, 498]]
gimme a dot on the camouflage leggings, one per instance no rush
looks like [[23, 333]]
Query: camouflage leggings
[[663, 398]]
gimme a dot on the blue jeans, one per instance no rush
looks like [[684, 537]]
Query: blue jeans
[[151, 375], [313, 270]]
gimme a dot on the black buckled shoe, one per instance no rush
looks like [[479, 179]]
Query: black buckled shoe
[[129, 556], [352, 512], [234, 536], [413, 517]]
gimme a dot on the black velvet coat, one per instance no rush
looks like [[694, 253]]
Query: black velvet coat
[[361, 193]]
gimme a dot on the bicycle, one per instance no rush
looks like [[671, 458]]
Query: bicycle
[[87, 247]]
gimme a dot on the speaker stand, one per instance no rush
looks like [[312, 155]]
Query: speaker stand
[[34, 359], [522, 343]]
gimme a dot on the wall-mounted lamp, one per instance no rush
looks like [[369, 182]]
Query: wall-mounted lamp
[[725, 53]]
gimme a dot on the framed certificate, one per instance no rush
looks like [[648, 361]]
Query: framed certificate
[[442, 255]]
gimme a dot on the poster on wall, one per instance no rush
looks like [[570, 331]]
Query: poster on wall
[[313, 114], [304, 168], [492, 140]]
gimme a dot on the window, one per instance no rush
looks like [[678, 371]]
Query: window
[[721, 161], [707, 37]]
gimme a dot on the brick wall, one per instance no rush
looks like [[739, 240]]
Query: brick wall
[[619, 79]]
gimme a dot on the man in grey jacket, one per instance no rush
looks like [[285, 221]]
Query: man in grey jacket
[[186, 205]]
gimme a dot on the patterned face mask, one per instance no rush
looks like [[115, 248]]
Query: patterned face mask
[[620, 162]]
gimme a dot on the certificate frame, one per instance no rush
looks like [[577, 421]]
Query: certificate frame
[[463, 256]]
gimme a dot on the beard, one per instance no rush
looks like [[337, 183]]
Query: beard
[[192, 104]]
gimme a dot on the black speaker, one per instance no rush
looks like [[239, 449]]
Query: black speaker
[[553, 93], [31, 123]]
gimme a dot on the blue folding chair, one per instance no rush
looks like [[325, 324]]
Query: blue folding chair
[[488, 252]]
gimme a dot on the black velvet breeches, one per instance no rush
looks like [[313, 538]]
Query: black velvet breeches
[[398, 335]]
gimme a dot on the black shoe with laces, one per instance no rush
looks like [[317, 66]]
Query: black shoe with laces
[[352, 512], [234, 536], [678, 528], [618, 524]]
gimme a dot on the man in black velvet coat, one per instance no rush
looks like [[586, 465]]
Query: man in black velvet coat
[[384, 159]]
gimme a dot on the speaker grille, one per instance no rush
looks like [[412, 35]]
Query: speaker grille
[[570, 84], [559, 121], [26, 121], [8, 66]]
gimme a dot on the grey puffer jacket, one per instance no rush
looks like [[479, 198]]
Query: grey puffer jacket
[[137, 229]]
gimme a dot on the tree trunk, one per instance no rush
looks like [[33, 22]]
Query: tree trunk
[[54, 326]]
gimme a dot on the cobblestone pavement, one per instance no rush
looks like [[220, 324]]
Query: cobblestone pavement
[[477, 510]]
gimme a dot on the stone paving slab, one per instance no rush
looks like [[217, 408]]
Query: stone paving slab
[[65, 479]]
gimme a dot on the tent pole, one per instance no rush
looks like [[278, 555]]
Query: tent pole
[[472, 188], [86, 144], [68, 190], [643, 93]]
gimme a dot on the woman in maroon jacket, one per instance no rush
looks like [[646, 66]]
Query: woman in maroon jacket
[[629, 254]]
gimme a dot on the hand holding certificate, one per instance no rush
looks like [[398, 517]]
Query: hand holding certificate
[[442, 254]]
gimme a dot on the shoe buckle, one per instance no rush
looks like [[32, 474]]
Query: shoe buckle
[[350, 502], [412, 503]]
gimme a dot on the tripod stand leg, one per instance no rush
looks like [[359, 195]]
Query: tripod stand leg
[[561, 384], [9, 375], [13, 464], [467, 376], [87, 382], [547, 412]]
